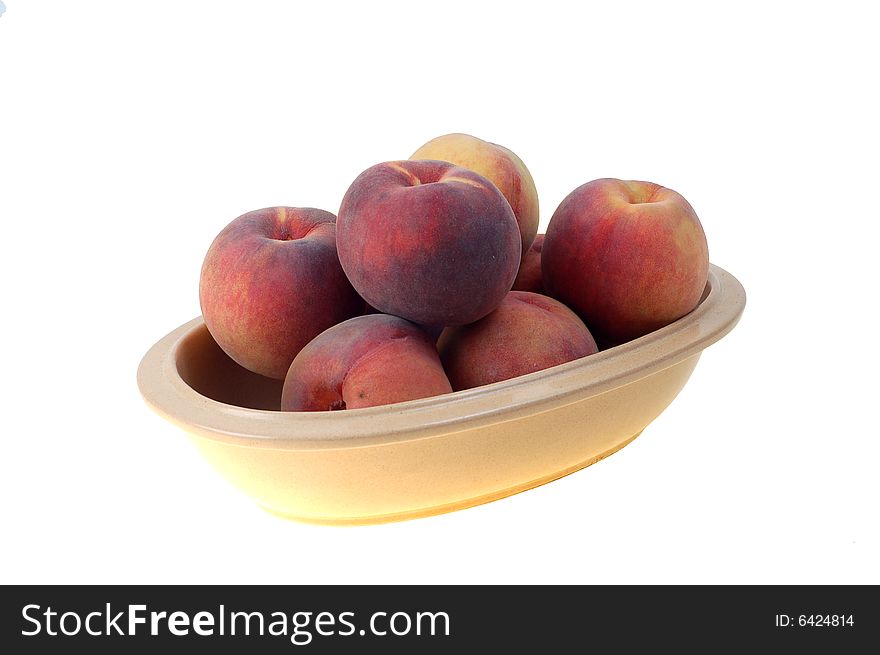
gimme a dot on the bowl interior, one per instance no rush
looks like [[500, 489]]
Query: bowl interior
[[186, 370], [203, 365], [209, 371]]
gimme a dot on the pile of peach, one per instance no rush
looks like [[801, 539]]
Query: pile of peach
[[432, 278]]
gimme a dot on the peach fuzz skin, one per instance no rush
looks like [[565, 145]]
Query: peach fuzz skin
[[530, 277], [498, 165], [428, 241], [628, 257], [528, 332], [271, 282], [363, 362]]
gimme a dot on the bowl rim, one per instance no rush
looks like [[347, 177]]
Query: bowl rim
[[165, 391]]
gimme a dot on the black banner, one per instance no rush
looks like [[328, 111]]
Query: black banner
[[334, 619]]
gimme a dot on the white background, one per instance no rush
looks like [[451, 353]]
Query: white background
[[132, 132]]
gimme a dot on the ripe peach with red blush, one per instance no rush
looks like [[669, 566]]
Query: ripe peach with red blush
[[270, 282], [428, 241], [369, 360], [528, 332], [629, 257]]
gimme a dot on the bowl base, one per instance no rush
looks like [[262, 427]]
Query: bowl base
[[450, 507]]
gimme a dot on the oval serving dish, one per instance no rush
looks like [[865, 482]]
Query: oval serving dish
[[431, 455]]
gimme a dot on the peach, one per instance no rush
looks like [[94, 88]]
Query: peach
[[528, 332], [628, 257], [271, 282], [366, 361], [428, 241], [498, 165], [529, 276]]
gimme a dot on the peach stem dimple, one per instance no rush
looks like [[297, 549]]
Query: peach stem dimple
[[412, 177], [462, 180], [641, 193], [292, 232]]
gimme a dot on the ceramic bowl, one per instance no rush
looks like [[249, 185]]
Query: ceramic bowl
[[432, 455]]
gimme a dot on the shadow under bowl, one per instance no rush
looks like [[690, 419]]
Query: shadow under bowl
[[431, 455]]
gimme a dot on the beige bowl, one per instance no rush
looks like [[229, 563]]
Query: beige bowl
[[432, 455]]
